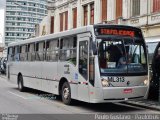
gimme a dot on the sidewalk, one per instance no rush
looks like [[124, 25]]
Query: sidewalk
[[145, 104]]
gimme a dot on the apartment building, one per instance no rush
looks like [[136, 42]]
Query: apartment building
[[21, 17]]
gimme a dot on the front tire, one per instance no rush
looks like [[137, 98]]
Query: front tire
[[20, 84], [66, 94]]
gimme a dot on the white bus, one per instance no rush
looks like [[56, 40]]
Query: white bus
[[95, 64]]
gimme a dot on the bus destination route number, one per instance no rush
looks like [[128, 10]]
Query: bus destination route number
[[116, 79]]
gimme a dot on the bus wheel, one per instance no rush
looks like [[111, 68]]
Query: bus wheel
[[66, 93], [20, 83]]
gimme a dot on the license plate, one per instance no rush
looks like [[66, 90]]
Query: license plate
[[126, 91]]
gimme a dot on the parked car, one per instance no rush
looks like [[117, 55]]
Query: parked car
[[3, 63]]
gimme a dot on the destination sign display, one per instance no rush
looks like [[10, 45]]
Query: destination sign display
[[104, 31], [118, 32]]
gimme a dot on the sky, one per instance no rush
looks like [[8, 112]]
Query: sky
[[2, 3]]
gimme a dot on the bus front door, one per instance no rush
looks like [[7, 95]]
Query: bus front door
[[83, 62]]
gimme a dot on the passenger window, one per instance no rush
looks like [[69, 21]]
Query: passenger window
[[52, 50], [31, 52], [68, 49], [17, 55], [10, 54], [40, 54], [13, 53], [23, 53], [83, 59]]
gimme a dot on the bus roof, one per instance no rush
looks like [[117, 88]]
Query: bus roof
[[52, 36], [83, 29]]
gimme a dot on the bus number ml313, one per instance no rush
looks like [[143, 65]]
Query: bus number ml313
[[116, 79]]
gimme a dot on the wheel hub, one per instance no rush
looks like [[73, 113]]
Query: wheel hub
[[66, 93], [19, 84]]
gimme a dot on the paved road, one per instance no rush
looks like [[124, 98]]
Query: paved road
[[30, 102]]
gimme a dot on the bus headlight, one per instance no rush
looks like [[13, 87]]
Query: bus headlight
[[145, 82], [105, 83]]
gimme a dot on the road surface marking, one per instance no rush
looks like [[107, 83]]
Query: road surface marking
[[17, 95]]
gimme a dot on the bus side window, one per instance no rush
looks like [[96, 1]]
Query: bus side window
[[36, 52], [28, 47], [47, 51], [31, 52], [61, 43], [74, 42], [16, 53], [63, 48], [40, 51], [73, 50], [23, 54], [52, 50], [83, 59], [68, 49], [13, 53], [62, 51], [10, 54]]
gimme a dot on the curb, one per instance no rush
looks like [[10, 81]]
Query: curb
[[143, 105]]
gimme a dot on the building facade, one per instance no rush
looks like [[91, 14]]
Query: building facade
[[69, 14], [21, 17]]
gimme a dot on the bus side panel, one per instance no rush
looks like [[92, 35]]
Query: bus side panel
[[35, 70], [12, 72], [69, 71], [74, 81], [31, 72], [49, 75], [24, 69]]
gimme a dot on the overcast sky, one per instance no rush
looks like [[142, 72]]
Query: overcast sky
[[2, 3]]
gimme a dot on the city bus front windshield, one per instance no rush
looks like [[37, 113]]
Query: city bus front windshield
[[122, 56]]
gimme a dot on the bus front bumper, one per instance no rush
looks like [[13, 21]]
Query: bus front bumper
[[118, 94]]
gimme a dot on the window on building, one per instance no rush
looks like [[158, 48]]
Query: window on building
[[52, 24], [85, 8], [156, 5], [74, 17], [63, 21], [118, 8], [135, 7], [92, 13], [104, 10], [66, 20]]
